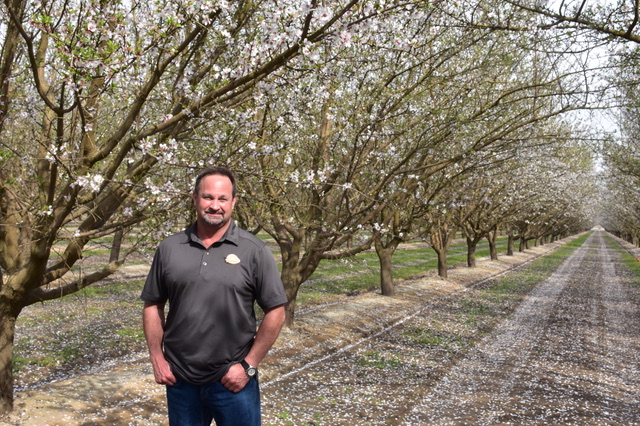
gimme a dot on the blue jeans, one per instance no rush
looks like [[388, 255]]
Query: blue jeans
[[198, 405]]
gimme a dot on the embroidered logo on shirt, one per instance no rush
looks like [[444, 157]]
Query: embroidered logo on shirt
[[232, 259]]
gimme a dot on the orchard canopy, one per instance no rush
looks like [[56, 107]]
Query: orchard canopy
[[352, 126]]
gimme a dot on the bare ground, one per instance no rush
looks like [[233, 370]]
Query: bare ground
[[439, 352]]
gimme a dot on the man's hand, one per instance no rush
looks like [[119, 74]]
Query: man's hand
[[162, 372], [236, 379]]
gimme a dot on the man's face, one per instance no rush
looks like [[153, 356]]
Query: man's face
[[214, 203]]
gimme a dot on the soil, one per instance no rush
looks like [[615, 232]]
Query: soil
[[438, 352]]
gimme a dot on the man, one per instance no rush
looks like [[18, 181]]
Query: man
[[208, 351]]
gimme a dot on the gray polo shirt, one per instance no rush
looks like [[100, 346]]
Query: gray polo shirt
[[211, 291]]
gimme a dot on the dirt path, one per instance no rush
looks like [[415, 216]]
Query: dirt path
[[568, 354]]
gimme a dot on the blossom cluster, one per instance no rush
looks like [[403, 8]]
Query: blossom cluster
[[91, 181]]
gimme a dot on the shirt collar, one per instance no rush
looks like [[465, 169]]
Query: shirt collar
[[231, 235]]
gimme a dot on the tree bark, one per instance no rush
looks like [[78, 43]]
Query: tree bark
[[385, 248], [292, 281], [511, 240], [7, 335], [442, 263], [491, 238], [472, 244], [290, 311], [385, 255]]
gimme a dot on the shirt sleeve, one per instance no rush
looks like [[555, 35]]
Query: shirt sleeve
[[154, 290], [270, 290]]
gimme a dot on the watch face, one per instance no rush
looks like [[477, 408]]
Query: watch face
[[251, 371]]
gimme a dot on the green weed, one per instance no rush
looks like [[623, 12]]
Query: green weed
[[628, 259]]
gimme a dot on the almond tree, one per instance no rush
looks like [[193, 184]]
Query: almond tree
[[482, 200], [619, 207], [103, 107], [329, 149]]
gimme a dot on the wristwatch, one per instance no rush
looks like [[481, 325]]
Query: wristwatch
[[250, 370]]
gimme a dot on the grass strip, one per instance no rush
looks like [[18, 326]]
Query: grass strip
[[362, 272], [629, 260]]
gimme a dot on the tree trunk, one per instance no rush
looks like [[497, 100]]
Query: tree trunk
[[290, 312], [471, 252], [493, 251], [7, 334], [511, 241], [291, 280], [387, 286], [385, 255], [441, 240], [11, 304], [522, 245], [386, 271], [442, 263], [293, 274]]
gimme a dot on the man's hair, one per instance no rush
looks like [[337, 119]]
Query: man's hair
[[215, 170]]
